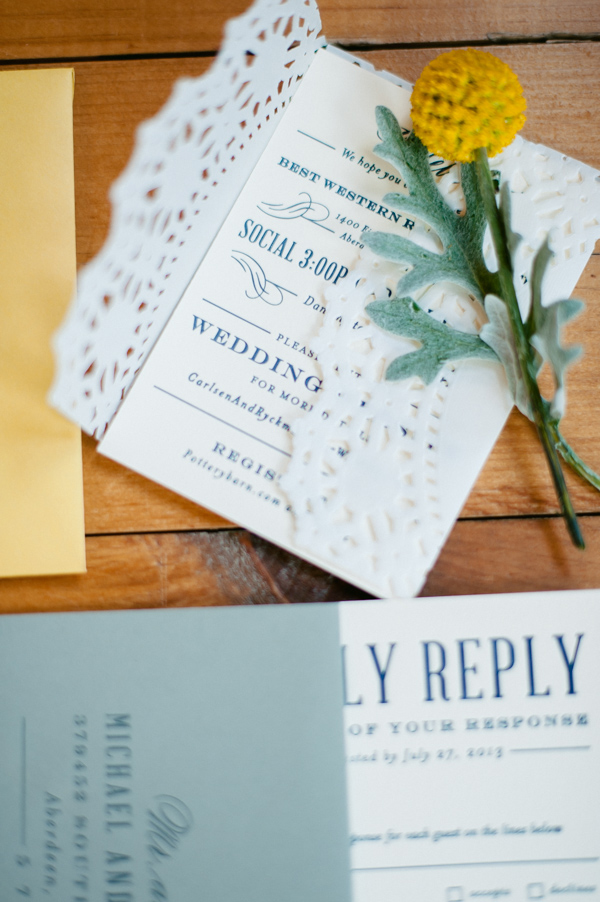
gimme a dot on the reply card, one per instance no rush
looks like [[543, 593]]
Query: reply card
[[472, 745]]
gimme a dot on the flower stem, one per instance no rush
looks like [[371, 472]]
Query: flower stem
[[573, 459], [545, 431]]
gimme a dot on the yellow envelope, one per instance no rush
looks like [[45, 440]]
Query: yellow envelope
[[41, 493]]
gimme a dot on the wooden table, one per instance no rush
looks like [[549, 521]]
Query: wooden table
[[149, 548]]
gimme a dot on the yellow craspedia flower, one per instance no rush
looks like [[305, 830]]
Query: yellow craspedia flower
[[464, 100]]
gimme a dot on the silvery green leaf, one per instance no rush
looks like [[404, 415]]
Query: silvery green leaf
[[428, 266], [414, 206], [401, 250], [439, 342], [543, 327], [498, 334], [461, 236], [411, 159], [546, 340]]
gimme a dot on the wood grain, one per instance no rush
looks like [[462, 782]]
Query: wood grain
[[232, 567], [51, 29], [515, 479], [528, 555], [113, 98], [117, 500], [176, 570], [560, 82]]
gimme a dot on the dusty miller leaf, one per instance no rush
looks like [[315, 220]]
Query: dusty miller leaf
[[461, 260], [439, 342], [543, 328], [498, 334]]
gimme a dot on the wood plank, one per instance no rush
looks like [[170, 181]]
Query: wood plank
[[117, 500], [111, 101], [560, 81], [113, 98], [55, 29], [427, 21], [528, 555], [233, 567], [176, 570], [515, 479]]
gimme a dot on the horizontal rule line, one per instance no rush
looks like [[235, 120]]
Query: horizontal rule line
[[477, 864], [557, 748], [318, 140], [237, 316], [225, 422]]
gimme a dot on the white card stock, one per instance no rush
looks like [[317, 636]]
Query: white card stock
[[472, 747], [378, 472]]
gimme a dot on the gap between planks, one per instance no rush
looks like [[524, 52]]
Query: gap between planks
[[233, 567]]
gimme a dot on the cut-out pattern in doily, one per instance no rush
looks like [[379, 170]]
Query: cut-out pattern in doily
[[188, 167], [363, 478], [380, 470], [554, 195]]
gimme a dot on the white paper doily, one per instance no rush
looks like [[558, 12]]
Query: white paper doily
[[381, 470], [189, 164]]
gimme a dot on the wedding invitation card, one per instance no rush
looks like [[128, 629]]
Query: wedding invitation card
[[212, 411], [241, 408], [172, 754]]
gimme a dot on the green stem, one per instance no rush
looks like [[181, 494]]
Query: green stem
[[538, 409], [573, 459]]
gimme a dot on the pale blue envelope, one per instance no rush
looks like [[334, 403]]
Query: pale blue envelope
[[177, 755]]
